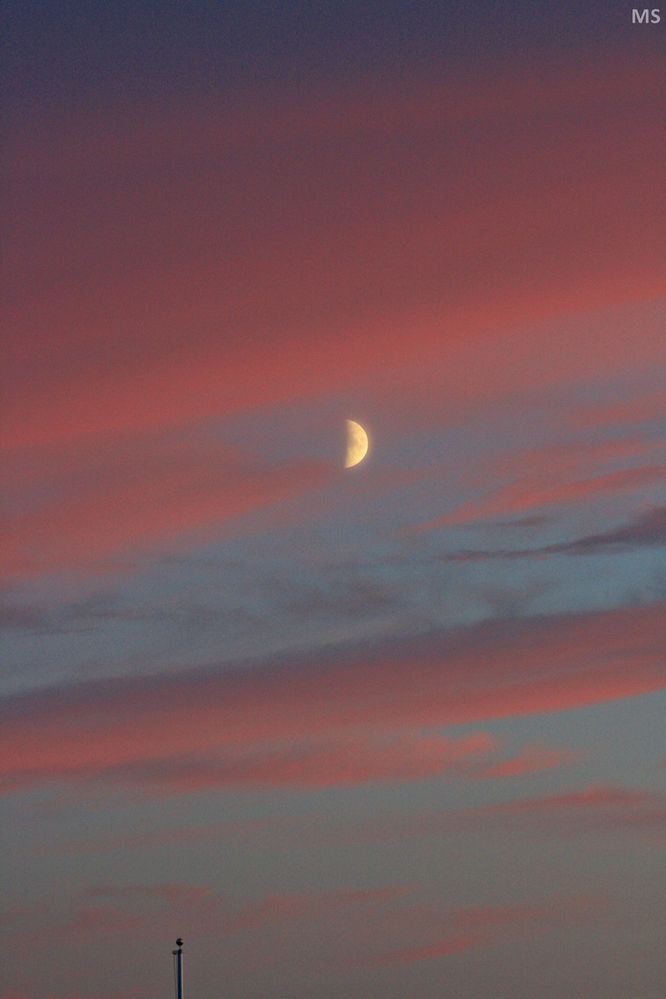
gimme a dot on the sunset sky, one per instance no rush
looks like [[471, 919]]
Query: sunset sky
[[387, 732]]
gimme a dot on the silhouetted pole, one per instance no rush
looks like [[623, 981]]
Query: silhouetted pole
[[178, 954]]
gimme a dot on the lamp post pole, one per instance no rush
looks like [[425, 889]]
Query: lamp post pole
[[178, 954]]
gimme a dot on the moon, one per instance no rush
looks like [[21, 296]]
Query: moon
[[357, 444]]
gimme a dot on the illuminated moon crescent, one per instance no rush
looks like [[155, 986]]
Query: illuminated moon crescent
[[357, 444]]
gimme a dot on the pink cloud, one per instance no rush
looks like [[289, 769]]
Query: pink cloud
[[524, 495], [144, 303], [111, 909], [124, 331], [527, 481], [639, 409], [351, 761], [457, 943], [530, 760], [278, 909], [218, 831], [596, 809], [467, 929], [107, 919], [84, 504], [491, 670], [105, 910], [161, 892], [121, 910]]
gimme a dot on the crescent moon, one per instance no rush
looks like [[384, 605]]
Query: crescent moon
[[357, 444]]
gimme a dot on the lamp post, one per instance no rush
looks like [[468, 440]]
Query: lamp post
[[178, 954]]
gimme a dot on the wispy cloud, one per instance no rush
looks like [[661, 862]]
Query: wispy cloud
[[525, 496], [647, 530], [114, 500], [450, 676], [467, 929], [277, 909], [350, 761], [597, 809], [532, 759], [644, 408], [124, 909]]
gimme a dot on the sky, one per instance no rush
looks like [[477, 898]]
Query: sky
[[383, 731]]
